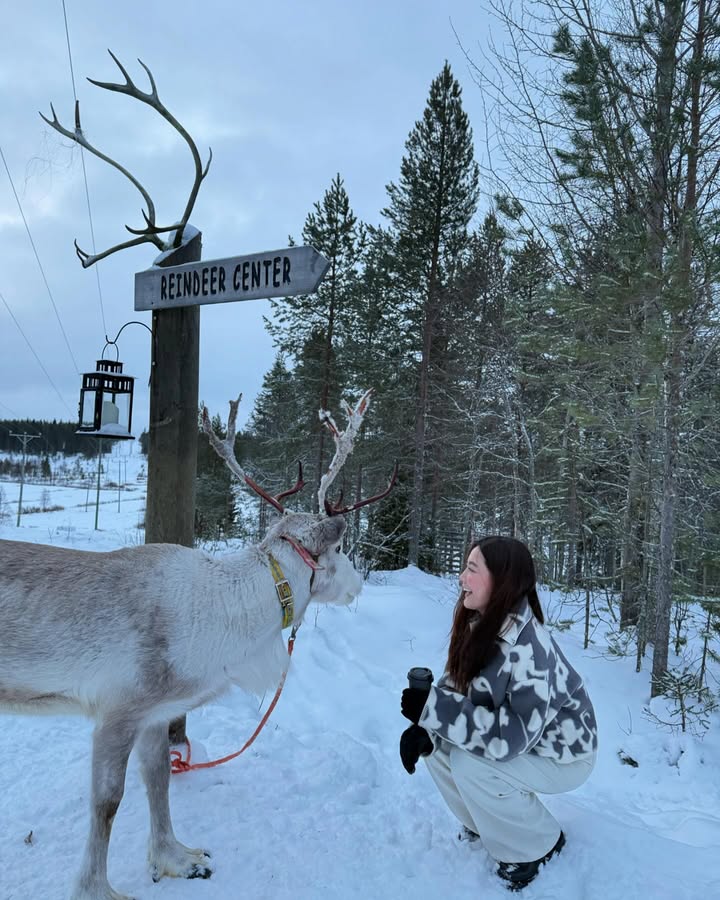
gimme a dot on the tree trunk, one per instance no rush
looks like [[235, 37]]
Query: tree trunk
[[572, 505], [673, 373], [512, 424], [431, 313], [532, 525], [630, 599], [417, 496]]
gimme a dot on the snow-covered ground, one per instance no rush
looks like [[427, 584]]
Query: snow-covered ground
[[320, 806]]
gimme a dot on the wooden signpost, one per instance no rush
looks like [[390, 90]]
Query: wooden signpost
[[173, 427], [278, 273]]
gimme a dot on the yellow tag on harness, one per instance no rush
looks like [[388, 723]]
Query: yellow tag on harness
[[284, 591]]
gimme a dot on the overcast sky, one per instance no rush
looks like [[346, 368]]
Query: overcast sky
[[287, 94]]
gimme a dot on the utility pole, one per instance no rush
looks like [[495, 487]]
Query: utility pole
[[24, 440], [119, 474], [97, 494]]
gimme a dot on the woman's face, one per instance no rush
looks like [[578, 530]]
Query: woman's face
[[476, 582]]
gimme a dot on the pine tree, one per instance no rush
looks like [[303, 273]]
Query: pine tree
[[277, 435], [377, 355], [458, 435], [429, 210], [215, 510], [332, 228]]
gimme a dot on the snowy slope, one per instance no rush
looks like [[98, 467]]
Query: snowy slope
[[320, 806]]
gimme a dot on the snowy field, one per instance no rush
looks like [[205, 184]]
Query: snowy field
[[320, 806]]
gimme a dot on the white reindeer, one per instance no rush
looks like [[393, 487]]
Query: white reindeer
[[137, 637]]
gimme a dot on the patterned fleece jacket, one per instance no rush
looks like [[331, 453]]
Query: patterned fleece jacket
[[527, 699]]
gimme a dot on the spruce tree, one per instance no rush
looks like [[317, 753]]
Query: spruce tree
[[429, 210], [459, 439], [274, 429], [215, 512], [332, 228], [277, 436]]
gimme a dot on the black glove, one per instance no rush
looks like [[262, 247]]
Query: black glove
[[414, 743], [413, 700]]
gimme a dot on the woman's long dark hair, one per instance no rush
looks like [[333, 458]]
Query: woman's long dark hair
[[513, 577]]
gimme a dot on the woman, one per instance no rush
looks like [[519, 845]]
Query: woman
[[510, 717]]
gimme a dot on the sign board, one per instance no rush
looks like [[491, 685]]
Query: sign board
[[278, 273]]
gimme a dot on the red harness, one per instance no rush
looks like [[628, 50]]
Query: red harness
[[304, 554]]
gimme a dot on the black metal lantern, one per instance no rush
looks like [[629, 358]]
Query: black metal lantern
[[106, 399]]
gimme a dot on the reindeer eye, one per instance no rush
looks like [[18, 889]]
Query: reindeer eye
[[337, 549]]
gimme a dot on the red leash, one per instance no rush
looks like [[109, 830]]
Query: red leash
[[178, 764]]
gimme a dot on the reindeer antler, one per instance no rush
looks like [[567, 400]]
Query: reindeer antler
[[150, 233], [344, 441], [225, 449], [299, 485], [336, 509]]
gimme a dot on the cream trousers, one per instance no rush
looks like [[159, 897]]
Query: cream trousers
[[498, 800]]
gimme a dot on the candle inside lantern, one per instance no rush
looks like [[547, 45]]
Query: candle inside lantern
[[110, 413]]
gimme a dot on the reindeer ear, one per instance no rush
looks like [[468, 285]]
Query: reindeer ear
[[328, 532]]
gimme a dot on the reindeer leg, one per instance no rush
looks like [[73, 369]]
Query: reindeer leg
[[112, 742], [166, 855]]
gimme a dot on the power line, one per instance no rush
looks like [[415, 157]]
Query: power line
[[42, 271], [32, 350], [67, 36], [82, 160]]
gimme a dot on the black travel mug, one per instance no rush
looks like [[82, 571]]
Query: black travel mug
[[420, 678]]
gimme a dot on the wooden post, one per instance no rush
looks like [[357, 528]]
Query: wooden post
[[97, 494], [173, 435]]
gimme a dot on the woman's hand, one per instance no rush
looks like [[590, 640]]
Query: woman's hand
[[414, 743], [413, 700]]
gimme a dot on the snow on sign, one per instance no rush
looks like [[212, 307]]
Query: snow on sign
[[278, 273]]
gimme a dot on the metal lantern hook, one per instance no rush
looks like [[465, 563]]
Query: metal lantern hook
[[123, 328], [110, 344]]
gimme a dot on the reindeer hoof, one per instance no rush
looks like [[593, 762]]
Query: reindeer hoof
[[178, 861], [199, 871]]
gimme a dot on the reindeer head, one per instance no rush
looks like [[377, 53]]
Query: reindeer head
[[317, 538]]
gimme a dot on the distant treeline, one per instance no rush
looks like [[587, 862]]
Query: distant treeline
[[53, 437]]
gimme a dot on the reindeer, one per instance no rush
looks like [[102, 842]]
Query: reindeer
[[136, 637]]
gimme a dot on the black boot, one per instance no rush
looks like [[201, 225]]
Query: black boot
[[467, 834], [519, 875]]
